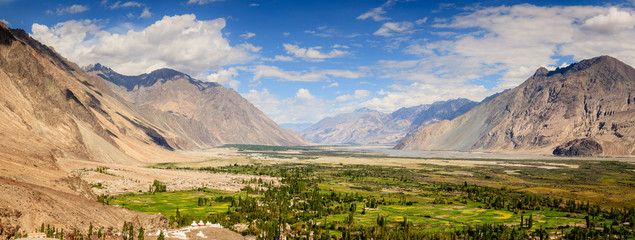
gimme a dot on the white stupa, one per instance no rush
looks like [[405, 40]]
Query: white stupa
[[201, 235]]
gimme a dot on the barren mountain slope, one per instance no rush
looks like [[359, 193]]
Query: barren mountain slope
[[593, 99], [50, 110], [368, 127], [205, 113]]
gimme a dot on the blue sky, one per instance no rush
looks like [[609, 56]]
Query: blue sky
[[301, 61]]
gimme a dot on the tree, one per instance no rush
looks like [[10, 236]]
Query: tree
[[124, 231], [530, 221], [90, 231], [140, 236]]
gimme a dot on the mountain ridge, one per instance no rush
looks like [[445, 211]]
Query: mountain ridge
[[549, 109], [50, 112], [204, 113], [370, 127]]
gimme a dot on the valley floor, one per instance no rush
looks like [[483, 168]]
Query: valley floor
[[357, 187]]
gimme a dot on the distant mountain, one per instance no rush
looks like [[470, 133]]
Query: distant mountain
[[204, 113], [370, 127], [585, 108], [297, 127]]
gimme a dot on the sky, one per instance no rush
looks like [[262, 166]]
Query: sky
[[302, 61]]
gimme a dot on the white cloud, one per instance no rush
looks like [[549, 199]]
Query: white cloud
[[335, 84], [247, 35], [301, 108], [180, 42], [312, 53], [263, 71], [377, 13], [421, 21], [344, 73], [278, 58], [303, 94], [391, 28], [340, 46], [421, 93], [273, 72], [201, 2], [75, 8], [225, 77], [5, 22], [286, 34], [358, 95], [513, 41], [612, 22], [118, 4], [254, 5], [146, 13]]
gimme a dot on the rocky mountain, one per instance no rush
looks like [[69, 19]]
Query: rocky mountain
[[569, 108], [369, 127], [205, 114], [50, 112]]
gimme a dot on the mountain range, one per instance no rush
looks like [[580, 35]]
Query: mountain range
[[370, 127], [589, 105], [205, 114]]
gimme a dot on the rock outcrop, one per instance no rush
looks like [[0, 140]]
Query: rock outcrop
[[594, 98], [579, 148]]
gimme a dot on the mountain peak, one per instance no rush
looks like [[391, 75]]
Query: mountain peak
[[547, 110], [604, 61], [542, 71], [364, 110], [166, 73], [6, 37], [144, 80]]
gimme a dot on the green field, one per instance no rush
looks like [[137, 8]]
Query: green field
[[166, 203], [347, 201]]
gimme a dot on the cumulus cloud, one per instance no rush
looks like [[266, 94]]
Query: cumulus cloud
[[313, 53], [225, 77], [513, 41], [391, 28], [75, 8], [247, 35], [180, 42], [612, 22], [377, 13]]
